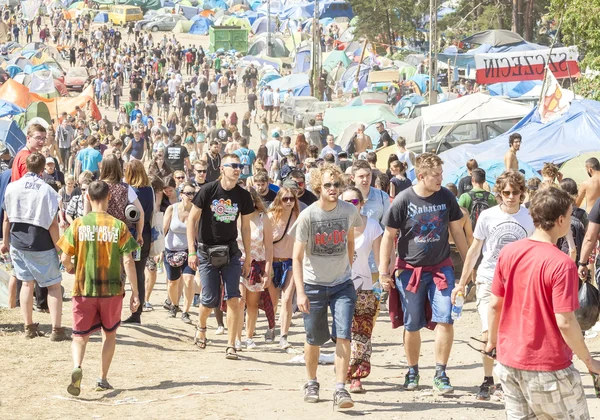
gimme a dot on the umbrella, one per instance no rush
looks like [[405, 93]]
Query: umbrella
[[495, 38], [575, 168]]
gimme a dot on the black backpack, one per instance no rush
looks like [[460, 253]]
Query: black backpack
[[479, 203]]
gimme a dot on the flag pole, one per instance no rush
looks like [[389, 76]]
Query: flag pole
[[546, 69]]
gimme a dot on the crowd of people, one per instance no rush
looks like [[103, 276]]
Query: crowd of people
[[237, 230]]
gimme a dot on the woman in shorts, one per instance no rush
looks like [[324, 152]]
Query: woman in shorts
[[153, 261], [200, 137]]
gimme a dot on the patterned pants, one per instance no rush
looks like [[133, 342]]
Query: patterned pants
[[543, 395], [365, 313]]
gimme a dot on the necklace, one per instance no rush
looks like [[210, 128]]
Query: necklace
[[212, 161]]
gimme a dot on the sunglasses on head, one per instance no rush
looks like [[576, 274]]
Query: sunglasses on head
[[329, 185], [354, 201], [288, 199], [233, 165]]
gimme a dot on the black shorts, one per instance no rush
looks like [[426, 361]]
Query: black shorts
[[268, 107]]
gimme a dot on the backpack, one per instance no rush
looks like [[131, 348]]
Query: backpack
[[245, 161], [479, 203]]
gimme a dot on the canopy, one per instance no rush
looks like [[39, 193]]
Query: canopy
[[495, 38], [337, 119], [12, 136], [574, 133], [334, 58]]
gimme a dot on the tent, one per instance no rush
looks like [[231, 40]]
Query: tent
[[302, 61], [263, 60], [183, 26], [334, 58], [337, 119], [8, 108], [574, 133], [214, 4], [278, 49], [200, 26], [528, 88], [12, 136], [101, 17], [260, 25], [335, 9], [349, 77], [575, 168], [187, 11], [35, 110], [234, 21], [269, 77], [298, 11], [292, 81]]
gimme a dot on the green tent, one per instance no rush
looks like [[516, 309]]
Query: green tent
[[337, 119], [236, 21], [36, 109], [574, 168], [183, 27], [334, 58]]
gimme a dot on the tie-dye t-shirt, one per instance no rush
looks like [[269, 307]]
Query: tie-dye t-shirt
[[97, 240]]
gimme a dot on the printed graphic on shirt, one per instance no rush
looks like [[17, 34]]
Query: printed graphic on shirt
[[173, 153], [329, 237], [429, 222], [503, 234], [224, 211]]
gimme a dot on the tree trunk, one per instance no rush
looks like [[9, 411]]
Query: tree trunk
[[517, 14], [529, 20]]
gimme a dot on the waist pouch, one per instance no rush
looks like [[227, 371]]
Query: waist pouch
[[176, 258], [218, 255]]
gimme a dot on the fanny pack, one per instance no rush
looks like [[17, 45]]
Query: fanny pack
[[176, 258], [218, 255]]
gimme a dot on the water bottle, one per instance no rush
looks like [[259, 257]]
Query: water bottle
[[377, 289], [159, 267], [458, 306], [7, 262]]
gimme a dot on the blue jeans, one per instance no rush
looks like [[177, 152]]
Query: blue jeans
[[341, 300], [413, 304], [211, 278]]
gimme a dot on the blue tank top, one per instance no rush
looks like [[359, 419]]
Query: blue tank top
[[137, 148]]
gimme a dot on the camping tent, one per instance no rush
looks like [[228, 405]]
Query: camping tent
[[214, 4], [576, 132], [298, 11], [101, 17], [8, 108], [337, 119], [334, 58], [349, 77], [35, 110], [235, 21], [12, 136], [183, 27], [260, 25], [335, 9], [200, 26], [278, 49], [296, 82], [302, 60]]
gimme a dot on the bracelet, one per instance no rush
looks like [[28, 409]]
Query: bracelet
[[192, 254], [384, 274], [582, 264]]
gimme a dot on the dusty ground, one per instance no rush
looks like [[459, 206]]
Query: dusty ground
[[157, 372]]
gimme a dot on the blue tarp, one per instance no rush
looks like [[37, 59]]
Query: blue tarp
[[12, 136], [302, 61], [101, 17], [574, 133], [334, 9], [8, 108], [468, 58], [201, 26], [513, 89], [493, 169]]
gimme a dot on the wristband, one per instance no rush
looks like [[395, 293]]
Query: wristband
[[384, 274], [582, 264], [192, 254]]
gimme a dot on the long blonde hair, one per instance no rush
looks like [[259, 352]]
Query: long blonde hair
[[276, 208]]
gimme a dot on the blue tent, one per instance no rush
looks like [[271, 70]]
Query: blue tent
[[101, 17], [307, 24], [12, 136], [260, 25], [8, 108], [214, 4], [13, 70], [349, 77], [195, 17], [248, 14], [302, 61], [254, 4], [298, 11], [268, 78], [514, 89], [292, 81], [574, 133], [201, 26], [334, 9], [493, 169], [303, 90]]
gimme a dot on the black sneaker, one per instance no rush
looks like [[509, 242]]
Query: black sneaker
[[342, 399], [167, 305], [484, 391], [132, 320], [173, 311], [311, 392], [185, 317]]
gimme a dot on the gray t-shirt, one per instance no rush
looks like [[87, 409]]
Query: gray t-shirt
[[325, 235]]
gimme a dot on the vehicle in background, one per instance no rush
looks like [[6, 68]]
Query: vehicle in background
[[120, 15], [314, 111], [78, 77], [163, 23], [293, 105]]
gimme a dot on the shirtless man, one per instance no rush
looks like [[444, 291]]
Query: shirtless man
[[362, 141], [590, 189], [510, 158]]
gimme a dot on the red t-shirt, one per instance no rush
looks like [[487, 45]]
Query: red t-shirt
[[19, 167], [536, 281]]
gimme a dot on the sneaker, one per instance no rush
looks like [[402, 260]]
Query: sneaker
[[442, 384], [167, 305], [220, 330], [147, 307], [498, 392], [103, 385], [311, 392], [132, 319], [342, 399], [270, 335], [238, 345], [32, 331], [185, 317], [356, 387], [75, 387], [250, 344], [484, 391], [411, 381], [59, 334], [283, 343], [173, 311], [196, 301]]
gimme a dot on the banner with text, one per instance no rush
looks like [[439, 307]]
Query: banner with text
[[526, 65]]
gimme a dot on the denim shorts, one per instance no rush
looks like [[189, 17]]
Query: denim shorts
[[211, 277], [413, 304], [41, 266], [341, 300]]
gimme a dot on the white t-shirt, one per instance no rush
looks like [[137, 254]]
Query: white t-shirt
[[497, 229], [363, 244]]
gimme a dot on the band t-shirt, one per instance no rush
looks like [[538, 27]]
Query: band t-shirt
[[220, 211], [423, 223], [325, 234], [175, 157]]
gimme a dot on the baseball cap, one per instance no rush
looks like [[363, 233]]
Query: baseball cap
[[275, 133], [50, 160]]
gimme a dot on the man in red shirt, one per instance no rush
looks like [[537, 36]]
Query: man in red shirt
[[532, 322], [36, 138]]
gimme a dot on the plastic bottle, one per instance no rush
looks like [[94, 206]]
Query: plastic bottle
[[458, 306], [159, 267], [377, 289]]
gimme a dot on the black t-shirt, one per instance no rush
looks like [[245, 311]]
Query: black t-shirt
[[384, 137], [26, 237], [175, 156], [423, 223], [252, 98], [400, 184], [223, 134], [135, 94], [269, 197], [211, 111], [165, 98], [220, 210], [464, 185], [308, 198]]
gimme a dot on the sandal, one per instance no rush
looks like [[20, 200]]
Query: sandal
[[201, 343], [231, 355]]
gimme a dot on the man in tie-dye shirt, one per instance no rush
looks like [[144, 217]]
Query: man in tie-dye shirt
[[98, 242]]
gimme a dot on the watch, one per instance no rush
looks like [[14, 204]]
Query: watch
[[582, 264]]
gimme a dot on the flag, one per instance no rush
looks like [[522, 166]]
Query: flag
[[42, 82], [553, 102], [30, 9]]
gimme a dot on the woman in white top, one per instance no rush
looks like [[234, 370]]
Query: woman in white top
[[260, 274], [366, 238]]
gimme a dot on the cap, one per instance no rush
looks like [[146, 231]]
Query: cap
[[362, 156], [275, 133], [50, 160]]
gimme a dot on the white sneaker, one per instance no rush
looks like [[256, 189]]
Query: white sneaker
[[590, 334], [220, 331], [238, 345], [250, 344], [283, 343], [596, 327]]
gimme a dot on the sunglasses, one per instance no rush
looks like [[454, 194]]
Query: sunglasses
[[354, 201], [509, 193], [233, 165], [329, 185], [200, 171], [300, 183], [288, 199], [180, 177], [189, 194]]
